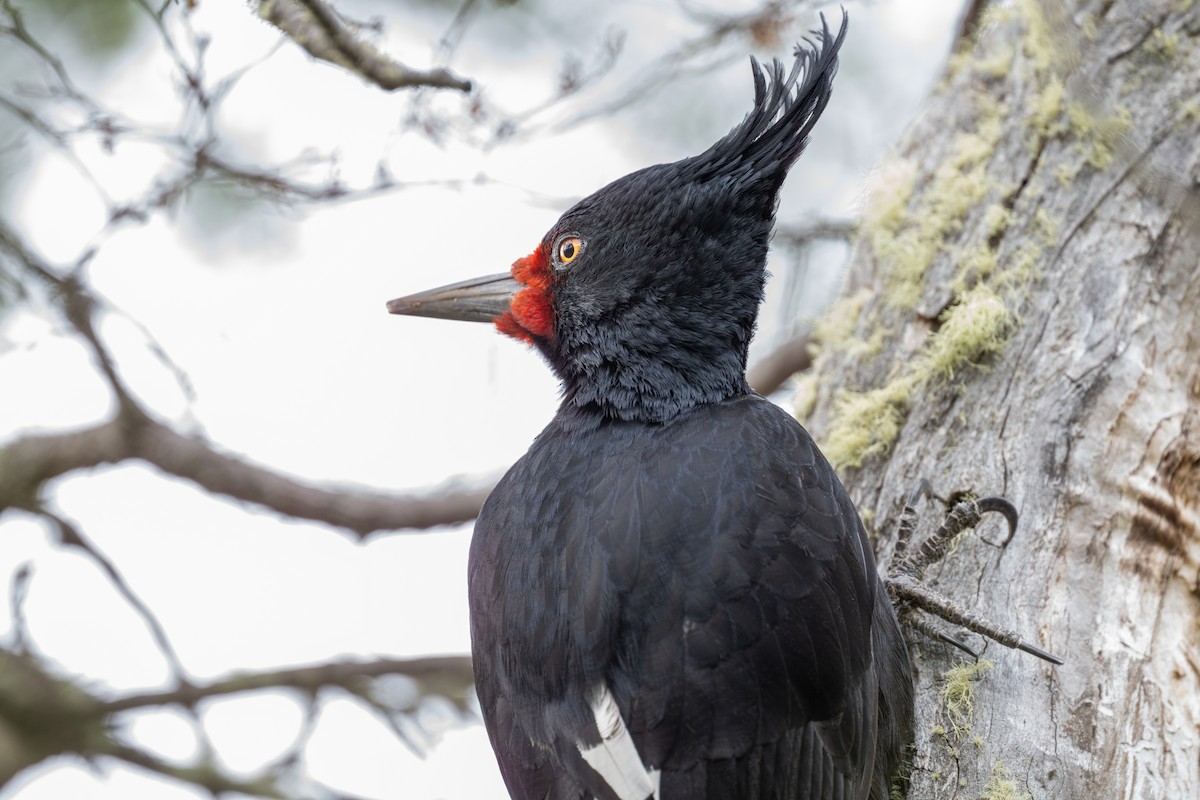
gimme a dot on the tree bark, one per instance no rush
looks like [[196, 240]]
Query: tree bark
[[1022, 317]]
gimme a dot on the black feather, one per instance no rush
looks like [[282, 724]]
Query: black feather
[[741, 651]]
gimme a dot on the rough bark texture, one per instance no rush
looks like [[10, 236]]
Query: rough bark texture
[[1022, 317]]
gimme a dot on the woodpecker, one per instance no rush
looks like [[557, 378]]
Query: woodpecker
[[671, 594]]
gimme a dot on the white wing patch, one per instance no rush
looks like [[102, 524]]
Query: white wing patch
[[616, 757]]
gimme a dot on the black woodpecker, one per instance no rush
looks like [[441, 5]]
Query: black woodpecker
[[671, 594]]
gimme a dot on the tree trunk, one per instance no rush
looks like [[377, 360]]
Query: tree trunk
[[1022, 317]]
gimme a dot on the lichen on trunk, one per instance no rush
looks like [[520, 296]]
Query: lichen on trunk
[[1022, 317]]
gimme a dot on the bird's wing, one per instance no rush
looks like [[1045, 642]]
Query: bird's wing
[[544, 617], [713, 578], [762, 617]]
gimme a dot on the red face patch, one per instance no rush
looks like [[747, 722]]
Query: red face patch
[[531, 313]]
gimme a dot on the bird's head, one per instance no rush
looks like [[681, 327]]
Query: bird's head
[[643, 296]]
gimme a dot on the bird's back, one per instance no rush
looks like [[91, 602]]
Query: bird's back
[[713, 576]]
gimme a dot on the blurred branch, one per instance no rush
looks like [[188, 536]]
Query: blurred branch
[[453, 34], [699, 55], [206, 774], [59, 139], [132, 434], [815, 230], [30, 461], [763, 26], [325, 34], [17, 30], [70, 535], [43, 715], [769, 373], [448, 676]]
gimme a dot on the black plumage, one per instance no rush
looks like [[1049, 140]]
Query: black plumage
[[674, 566], [713, 573]]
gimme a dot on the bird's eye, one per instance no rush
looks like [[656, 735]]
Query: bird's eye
[[569, 249]]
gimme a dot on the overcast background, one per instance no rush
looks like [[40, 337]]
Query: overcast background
[[277, 317]]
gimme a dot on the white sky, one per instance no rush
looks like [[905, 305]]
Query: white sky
[[296, 365]]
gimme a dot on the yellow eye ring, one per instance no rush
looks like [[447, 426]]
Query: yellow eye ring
[[569, 248]]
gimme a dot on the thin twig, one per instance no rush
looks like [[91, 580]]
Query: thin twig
[[20, 590], [19, 32], [449, 40], [692, 57], [70, 535]]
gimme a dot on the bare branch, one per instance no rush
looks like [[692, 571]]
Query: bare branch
[[325, 35], [453, 34], [191, 75], [43, 715], [76, 303], [360, 512], [27, 463], [56, 138], [70, 535], [448, 676], [160, 354], [30, 461], [18, 31], [31, 119], [698, 55]]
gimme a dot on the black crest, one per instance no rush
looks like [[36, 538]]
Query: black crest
[[775, 132]]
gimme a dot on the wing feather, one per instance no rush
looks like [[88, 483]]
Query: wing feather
[[616, 757]]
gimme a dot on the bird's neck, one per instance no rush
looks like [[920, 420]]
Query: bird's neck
[[650, 381]]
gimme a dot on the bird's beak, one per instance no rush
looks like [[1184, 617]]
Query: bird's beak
[[475, 300]]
